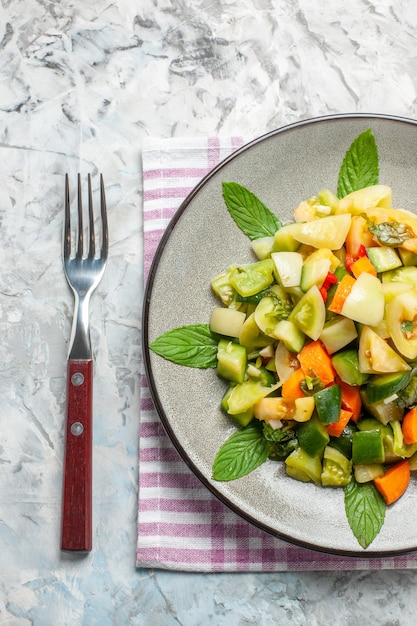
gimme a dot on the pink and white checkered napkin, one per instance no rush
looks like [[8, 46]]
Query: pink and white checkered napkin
[[181, 525]]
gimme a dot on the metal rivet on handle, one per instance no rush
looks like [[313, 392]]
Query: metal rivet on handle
[[77, 428], [77, 379]]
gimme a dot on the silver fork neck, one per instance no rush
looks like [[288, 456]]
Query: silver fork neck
[[80, 343]]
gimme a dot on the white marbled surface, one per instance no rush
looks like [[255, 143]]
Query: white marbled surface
[[81, 85]]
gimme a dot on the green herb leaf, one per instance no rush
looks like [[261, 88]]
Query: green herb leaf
[[365, 510], [390, 234], [248, 212], [360, 167], [194, 346], [243, 452]]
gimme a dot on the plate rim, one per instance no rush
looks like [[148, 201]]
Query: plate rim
[[148, 287]]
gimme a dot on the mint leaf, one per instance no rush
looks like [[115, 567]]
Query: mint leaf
[[194, 346], [365, 511], [360, 167], [249, 213], [243, 452]]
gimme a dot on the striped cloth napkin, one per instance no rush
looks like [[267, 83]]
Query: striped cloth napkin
[[181, 525]]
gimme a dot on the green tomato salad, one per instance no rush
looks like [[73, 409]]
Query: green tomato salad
[[316, 341]]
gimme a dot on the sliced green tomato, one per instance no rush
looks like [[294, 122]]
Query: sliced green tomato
[[288, 266], [292, 337], [246, 395], [393, 289], [365, 303], [309, 314], [338, 333], [272, 308], [401, 316], [326, 232], [401, 275], [252, 278], [376, 356], [337, 469], [360, 201], [302, 466]]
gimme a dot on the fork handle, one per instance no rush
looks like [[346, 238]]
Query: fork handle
[[77, 486]]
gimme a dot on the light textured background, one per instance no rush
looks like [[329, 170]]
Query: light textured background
[[81, 85]]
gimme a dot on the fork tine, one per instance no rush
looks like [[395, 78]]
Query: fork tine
[[79, 252], [67, 222], [92, 246], [103, 208]]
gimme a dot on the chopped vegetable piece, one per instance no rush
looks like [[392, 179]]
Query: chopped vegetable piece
[[367, 447], [313, 436], [394, 482], [301, 466], [291, 387], [328, 404], [336, 428], [351, 399], [316, 362], [337, 469], [409, 426], [309, 314], [231, 361], [363, 264], [365, 302], [272, 408], [342, 291]]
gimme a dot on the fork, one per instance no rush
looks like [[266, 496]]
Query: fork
[[83, 271]]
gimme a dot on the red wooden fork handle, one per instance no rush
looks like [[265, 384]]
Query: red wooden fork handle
[[77, 488]]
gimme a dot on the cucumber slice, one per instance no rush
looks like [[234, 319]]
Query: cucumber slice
[[383, 258], [314, 273], [231, 361], [309, 314], [385, 386], [346, 364]]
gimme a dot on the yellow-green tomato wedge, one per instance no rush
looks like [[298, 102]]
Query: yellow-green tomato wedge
[[376, 356], [309, 314], [401, 316], [227, 322], [327, 232], [365, 303], [288, 266], [361, 200]]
